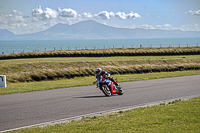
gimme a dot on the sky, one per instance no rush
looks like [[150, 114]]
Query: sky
[[30, 16]]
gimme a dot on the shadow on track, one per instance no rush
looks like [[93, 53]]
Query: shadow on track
[[93, 96], [103, 96]]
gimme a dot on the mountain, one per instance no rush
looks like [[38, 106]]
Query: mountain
[[93, 30], [6, 34]]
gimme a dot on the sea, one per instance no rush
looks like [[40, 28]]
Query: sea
[[13, 46]]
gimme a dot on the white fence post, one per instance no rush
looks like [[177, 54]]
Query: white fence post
[[3, 81]]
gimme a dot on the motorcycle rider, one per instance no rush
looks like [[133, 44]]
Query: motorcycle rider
[[99, 73]]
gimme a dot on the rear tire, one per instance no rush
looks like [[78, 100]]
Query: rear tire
[[106, 91]]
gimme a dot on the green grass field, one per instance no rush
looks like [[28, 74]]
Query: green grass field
[[176, 117]]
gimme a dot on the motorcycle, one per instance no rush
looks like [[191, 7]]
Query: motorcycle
[[109, 88]]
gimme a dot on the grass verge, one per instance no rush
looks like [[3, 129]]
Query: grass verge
[[38, 69], [85, 81], [179, 116]]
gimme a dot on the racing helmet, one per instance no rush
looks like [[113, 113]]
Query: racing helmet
[[98, 71]]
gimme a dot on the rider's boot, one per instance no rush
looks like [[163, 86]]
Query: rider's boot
[[117, 85]]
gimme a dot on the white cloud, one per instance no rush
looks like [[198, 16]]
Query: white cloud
[[13, 17], [186, 27], [132, 15], [190, 27], [120, 15], [161, 27], [86, 15], [105, 15], [158, 26], [189, 12], [49, 13], [67, 12], [146, 26], [37, 12], [197, 12], [16, 13], [112, 14], [193, 12], [167, 25]]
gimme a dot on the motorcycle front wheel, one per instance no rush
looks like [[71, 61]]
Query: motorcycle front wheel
[[121, 92], [106, 91]]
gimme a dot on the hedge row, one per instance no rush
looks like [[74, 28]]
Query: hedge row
[[50, 77], [105, 53]]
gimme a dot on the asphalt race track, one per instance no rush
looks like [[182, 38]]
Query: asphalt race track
[[23, 109]]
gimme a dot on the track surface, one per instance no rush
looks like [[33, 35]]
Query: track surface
[[17, 110]]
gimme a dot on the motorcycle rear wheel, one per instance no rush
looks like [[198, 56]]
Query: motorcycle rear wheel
[[106, 91]]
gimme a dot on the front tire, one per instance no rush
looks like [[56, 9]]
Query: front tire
[[121, 92], [106, 91]]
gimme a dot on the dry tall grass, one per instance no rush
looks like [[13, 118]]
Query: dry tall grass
[[107, 52], [53, 68]]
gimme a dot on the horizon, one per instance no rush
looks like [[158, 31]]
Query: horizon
[[26, 16]]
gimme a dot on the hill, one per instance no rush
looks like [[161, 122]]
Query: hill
[[93, 30], [6, 34]]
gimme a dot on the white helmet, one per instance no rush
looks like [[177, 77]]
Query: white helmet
[[98, 71]]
